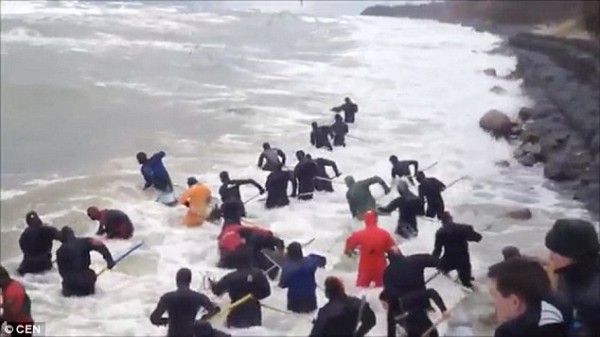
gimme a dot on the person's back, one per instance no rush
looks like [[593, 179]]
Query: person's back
[[343, 315], [373, 243], [154, 171], [36, 244], [454, 238], [340, 129], [197, 199], [16, 303], [298, 276], [360, 196], [232, 211], [182, 306], [405, 273], [277, 185], [238, 284], [118, 224]]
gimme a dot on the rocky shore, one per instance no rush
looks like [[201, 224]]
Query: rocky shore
[[562, 130]]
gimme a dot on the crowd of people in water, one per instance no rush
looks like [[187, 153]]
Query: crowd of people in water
[[533, 297]]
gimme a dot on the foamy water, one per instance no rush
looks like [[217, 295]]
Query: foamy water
[[224, 83]]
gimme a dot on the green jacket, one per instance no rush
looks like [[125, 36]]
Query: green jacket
[[360, 198]]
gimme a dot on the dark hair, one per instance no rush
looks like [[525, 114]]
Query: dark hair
[[520, 276], [334, 288], [183, 277], [141, 157], [509, 252], [294, 251]]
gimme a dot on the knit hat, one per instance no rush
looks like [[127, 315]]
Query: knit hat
[[573, 238]]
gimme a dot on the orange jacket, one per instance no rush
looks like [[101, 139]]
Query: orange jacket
[[373, 243], [197, 198]]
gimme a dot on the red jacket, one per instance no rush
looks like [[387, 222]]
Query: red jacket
[[19, 311], [230, 239], [373, 243]]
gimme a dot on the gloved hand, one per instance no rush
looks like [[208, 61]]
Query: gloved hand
[[387, 190], [110, 264], [262, 191], [338, 174]]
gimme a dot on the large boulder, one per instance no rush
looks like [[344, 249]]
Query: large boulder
[[519, 214], [497, 123]]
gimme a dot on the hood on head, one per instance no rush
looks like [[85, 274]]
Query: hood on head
[[370, 218], [33, 219], [349, 180]]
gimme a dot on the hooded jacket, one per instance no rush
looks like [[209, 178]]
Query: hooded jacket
[[299, 276], [373, 243]]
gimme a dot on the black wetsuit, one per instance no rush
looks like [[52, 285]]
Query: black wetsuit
[[272, 156], [403, 275], [115, 224], [340, 130], [231, 190], [401, 169], [36, 245], [321, 184], [205, 329], [340, 318], [409, 207], [232, 211], [413, 312], [431, 189], [259, 240], [239, 284], [276, 185], [454, 239], [320, 137], [182, 306], [305, 172], [73, 260], [350, 110]]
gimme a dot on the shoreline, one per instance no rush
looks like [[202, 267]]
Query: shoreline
[[561, 131]]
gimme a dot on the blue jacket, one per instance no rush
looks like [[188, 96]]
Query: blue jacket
[[299, 277], [156, 174]]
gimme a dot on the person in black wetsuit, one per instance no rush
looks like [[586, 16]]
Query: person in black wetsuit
[[73, 260], [305, 173], [182, 306], [431, 189], [401, 168], [276, 185], [259, 240], [245, 280], [454, 239], [112, 222], [322, 180], [204, 329], [272, 156], [403, 275], [340, 130], [413, 315], [409, 206], [350, 109], [343, 315], [230, 189], [319, 136], [36, 245]]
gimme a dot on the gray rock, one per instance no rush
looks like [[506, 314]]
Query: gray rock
[[490, 72], [502, 163], [497, 123], [519, 214], [527, 159], [525, 114], [498, 90], [565, 166]]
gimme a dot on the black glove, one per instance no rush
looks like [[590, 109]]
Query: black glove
[[262, 191], [110, 264]]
